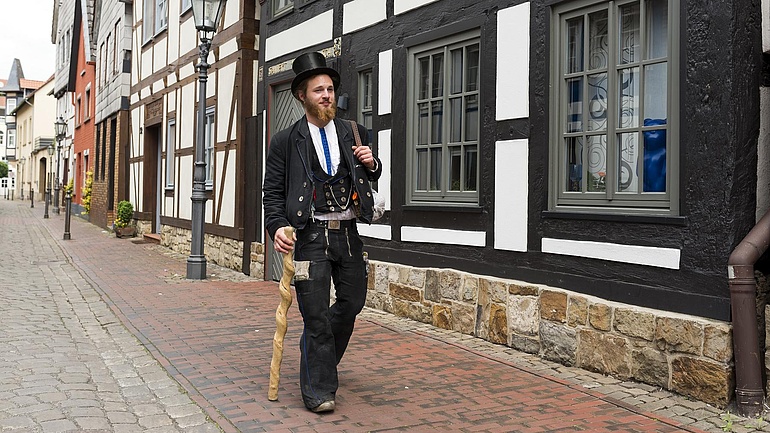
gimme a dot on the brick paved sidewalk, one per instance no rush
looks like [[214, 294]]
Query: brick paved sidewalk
[[215, 338]]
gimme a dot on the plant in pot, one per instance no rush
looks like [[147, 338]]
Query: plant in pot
[[122, 224]]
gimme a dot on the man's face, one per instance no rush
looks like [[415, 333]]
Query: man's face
[[318, 98]]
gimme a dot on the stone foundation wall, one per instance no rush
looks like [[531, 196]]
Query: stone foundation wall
[[686, 354], [220, 250]]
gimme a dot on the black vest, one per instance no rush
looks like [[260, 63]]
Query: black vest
[[331, 193]]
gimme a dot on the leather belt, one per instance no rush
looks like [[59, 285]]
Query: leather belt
[[334, 224]]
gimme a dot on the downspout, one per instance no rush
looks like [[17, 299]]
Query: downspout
[[749, 392]]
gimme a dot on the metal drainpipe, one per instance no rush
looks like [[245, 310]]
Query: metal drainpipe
[[749, 392]]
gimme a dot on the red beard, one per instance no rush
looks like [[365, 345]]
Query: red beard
[[324, 114]]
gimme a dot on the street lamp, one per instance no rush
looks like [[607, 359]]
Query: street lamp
[[61, 132], [21, 176], [206, 14], [67, 205], [48, 176]]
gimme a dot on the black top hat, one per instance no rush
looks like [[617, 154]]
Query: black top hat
[[309, 65]]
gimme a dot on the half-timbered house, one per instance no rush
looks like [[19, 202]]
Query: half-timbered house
[[567, 178]]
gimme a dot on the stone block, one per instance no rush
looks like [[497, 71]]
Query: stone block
[[522, 290], [650, 366], [718, 342], [525, 344], [523, 317], [370, 277], [558, 342], [463, 317], [449, 286], [432, 291], [679, 335], [577, 311], [702, 379], [416, 277], [470, 288], [403, 273], [381, 278], [496, 290], [498, 324], [419, 312], [603, 352], [405, 292], [442, 316], [553, 306], [635, 323], [600, 316]]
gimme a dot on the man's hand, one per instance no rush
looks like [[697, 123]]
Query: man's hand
[[364, 154], [283, 244]]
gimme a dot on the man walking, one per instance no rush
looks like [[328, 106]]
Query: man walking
[[317, 181]]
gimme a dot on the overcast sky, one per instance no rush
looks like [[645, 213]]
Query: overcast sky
[[25, 34]]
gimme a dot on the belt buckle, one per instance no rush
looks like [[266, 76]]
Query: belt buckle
[[334, 224]]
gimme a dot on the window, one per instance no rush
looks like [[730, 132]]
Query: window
[[1, 138], [614, 142], [443, 120], [116, 48], [87, 110], [170, 147], [99, 73], [365, 100], [155, 18], [186, 4], [280, 6], [10, 105], [108, 59], [11, 139], [78, 111], [209, 140]]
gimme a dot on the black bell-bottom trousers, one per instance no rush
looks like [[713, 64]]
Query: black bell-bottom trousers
[[322, 254]]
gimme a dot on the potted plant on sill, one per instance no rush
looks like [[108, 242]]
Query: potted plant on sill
[[122, 224]]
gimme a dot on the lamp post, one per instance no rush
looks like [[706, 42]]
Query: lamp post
[[206, 14], [48, 177], [21, 176], [67, 207], [61, 132]]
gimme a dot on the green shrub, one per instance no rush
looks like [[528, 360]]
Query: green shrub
[[125, 214], [86, 199]]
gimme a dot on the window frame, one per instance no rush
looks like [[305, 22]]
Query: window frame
[[611, 200], [209, 149], [277, 10], [445, 196], [11, 135], [170, 152], [365, 92]]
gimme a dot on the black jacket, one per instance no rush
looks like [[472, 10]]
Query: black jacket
[[288, 187]]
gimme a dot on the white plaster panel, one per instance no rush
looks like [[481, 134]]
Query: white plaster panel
[[171, 101], [359, 14], [634, 254], [209, 211], [443, 236], [226, 82], [384, 152], [134, 98], [306, 34], [136, 123], [168, 207], [765, 25], [158, 86], [186, 70], [763, 153], [227, 217], [145, 92], [188, 38], [185, 119], [385, 82], [159, 57], [512, 97], [184, 189], [232, 13], [377, 231], [146, 64], [401, 6], [228, 48], [511, 192]]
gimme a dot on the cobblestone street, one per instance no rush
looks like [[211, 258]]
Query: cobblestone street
[[100, 334]]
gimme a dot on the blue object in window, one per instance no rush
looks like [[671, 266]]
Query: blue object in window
[[654, 157]]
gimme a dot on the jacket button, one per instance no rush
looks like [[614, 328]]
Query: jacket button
[[368, 194], [301, 198], [304, 184], [361, 180], [329, 202], [331, 208], [342, 189], [328, 194], [299, 213], [343, 199]]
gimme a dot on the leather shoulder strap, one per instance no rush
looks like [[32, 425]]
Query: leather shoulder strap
[[355, 132]]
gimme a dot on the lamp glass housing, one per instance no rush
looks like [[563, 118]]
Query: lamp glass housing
[[207, 13], [61, 127]]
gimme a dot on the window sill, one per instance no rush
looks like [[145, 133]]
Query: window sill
[[441, 207], [625, 218]]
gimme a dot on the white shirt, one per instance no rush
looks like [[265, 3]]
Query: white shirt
[[334, 146]]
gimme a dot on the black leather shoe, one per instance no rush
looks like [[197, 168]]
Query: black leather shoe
[[326, 406]]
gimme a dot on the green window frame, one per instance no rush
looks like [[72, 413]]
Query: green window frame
[[443, 122], [365, 92], [614, 107]]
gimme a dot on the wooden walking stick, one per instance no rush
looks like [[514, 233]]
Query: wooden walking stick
[[280, 319]]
